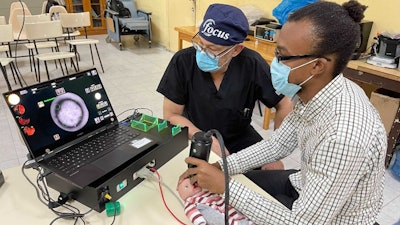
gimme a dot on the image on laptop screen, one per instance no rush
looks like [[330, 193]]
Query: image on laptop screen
[[58, 111]]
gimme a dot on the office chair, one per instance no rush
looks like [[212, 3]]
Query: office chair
[[16, 5], [39, 45], [44, 31], [6, 36], [44, 4], [80, 20], [3, 47], [56, 10], [138, 23], [13, 20]]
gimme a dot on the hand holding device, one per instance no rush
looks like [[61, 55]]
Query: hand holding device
[[200, 146]]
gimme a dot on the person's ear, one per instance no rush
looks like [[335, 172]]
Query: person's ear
[[320, 66], [237, 49]]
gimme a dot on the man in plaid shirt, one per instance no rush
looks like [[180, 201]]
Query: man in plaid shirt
[[339, 133]]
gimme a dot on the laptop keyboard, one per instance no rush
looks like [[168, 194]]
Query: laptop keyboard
[[80, 155]]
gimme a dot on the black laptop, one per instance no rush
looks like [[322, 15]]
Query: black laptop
[[71, 129]]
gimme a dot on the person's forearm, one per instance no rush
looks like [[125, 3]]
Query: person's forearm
[[216, 147], [192, 129], [183, 122], [256, 207], [279, 116], [283, 108]]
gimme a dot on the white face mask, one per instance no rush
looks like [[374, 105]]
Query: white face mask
[[280, 78]]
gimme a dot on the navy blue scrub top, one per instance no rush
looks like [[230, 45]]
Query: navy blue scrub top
[[228, 109]]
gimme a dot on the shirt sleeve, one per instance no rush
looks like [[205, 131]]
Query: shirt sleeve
[[172, 84], [282, 142], [320, 199], [325, 189]]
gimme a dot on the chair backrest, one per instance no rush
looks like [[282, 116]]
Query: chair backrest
[[55, 10], [3, 20], [13, 20], [6, 34], [33, 18], [44, 4], [129, 4], [75, 20], [16, 5], [43, 30]]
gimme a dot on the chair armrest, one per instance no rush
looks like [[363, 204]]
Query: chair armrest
[[143, 12], [112, 12]]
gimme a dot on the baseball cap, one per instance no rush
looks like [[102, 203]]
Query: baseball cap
[[224, 25]]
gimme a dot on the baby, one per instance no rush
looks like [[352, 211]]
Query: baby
[[203, 207]]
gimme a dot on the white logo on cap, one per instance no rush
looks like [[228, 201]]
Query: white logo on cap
[[209, 30]]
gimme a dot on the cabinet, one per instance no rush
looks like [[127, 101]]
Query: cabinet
[[96, 9]]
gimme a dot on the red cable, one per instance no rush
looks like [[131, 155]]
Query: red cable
[[162, 196]]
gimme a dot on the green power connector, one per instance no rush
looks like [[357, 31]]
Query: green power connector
[[113, 208]]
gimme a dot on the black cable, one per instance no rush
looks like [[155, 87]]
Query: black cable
[[225, 170], [135, 112], [115, 212], [19, 74], [43, 195]]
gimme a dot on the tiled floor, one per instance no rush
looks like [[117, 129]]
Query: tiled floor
[[131, 77]]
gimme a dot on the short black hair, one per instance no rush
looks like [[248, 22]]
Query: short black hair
[[336, 28]]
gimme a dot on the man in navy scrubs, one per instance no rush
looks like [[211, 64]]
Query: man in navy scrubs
[[216, 83]]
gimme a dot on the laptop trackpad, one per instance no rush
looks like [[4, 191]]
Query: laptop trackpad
[[112, 160], [86, 175]]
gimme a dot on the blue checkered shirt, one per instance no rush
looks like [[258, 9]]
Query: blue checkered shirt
[[343, 144]]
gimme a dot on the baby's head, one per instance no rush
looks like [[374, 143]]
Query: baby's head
[[186, 189]]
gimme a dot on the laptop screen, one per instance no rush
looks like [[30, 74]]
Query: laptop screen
[[57, 112]]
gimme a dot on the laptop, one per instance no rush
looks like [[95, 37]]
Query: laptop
[[71, 129]]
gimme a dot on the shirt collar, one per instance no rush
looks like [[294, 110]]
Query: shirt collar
[[321, 100]]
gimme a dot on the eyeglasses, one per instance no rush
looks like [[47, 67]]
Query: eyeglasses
[[198, 47], [280, 57]]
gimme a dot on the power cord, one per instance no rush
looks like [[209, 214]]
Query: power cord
[[19, 74], [148, 173], [135, 112], [225, 169], [106, 197], [44, 196]]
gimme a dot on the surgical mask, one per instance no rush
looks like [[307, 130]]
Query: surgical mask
[[208, 64], [280, 78]]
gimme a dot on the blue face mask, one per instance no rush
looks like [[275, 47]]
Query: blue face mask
[[280, 78], [206, 63]]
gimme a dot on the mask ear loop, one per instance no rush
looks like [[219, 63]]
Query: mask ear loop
[[311, 75], [309, 78], [311, 61], [227, 61]]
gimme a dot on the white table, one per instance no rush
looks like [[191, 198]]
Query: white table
[[142, 205]]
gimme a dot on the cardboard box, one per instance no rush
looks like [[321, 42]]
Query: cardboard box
[[368, 88], [387, 104]]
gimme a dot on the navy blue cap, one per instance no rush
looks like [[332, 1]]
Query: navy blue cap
[[224, 25]]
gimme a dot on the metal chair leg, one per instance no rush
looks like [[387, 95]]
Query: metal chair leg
[[47, 70], [4, 70], [66, 67], [19, 76], [98, 55]]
